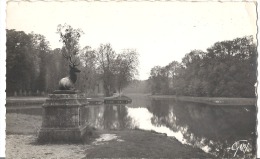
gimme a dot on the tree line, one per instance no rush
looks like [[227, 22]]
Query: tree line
[[33, 68], [226, 69]]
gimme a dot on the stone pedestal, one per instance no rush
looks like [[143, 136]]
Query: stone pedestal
[[63, 119]]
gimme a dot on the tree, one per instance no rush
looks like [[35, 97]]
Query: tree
[[56, 68], [233, 68], [21, 63], [89, 77], [126, 68], [227, 69], [138, 86], [155, 80], [106, 67], [42, 49], [70, 39], [173, 71]]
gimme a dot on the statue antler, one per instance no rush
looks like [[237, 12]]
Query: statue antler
[[69, 58]]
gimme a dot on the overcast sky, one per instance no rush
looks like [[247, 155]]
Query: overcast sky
[[160, 31]]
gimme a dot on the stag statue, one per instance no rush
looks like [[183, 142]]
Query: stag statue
[[67, 83]]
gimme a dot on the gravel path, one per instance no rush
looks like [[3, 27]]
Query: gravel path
[[24, 147]]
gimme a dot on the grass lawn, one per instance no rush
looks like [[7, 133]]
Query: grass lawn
[[22, 124], [23, 129]]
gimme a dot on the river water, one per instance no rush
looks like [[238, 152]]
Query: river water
[[224, 131]]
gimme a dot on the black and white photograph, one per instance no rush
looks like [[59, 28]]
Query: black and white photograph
[[131, 79]]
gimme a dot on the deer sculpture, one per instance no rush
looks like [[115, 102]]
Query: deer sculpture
[[67, 83]]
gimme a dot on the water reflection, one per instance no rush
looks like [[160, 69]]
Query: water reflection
[[109, 117], [214, 129]]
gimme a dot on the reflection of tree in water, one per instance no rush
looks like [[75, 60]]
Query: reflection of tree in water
[[95, 116], [162, 114], [218, 121], [115, 117], [108, 117], [125, 122], [218, 127], [223, 125], [159, 108]]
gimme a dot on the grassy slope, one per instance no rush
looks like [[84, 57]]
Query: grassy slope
[[144, 144]]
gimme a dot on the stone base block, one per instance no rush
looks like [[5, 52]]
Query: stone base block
[[63, 118], [67, 135]]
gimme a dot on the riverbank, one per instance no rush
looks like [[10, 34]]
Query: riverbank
[[23, 129], [209, 100], [38, 101]]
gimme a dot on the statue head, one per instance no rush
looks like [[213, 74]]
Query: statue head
[[74, 69]]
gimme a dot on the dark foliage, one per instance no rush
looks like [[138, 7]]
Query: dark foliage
[[227, 69], [35, 69], [32, 67]]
